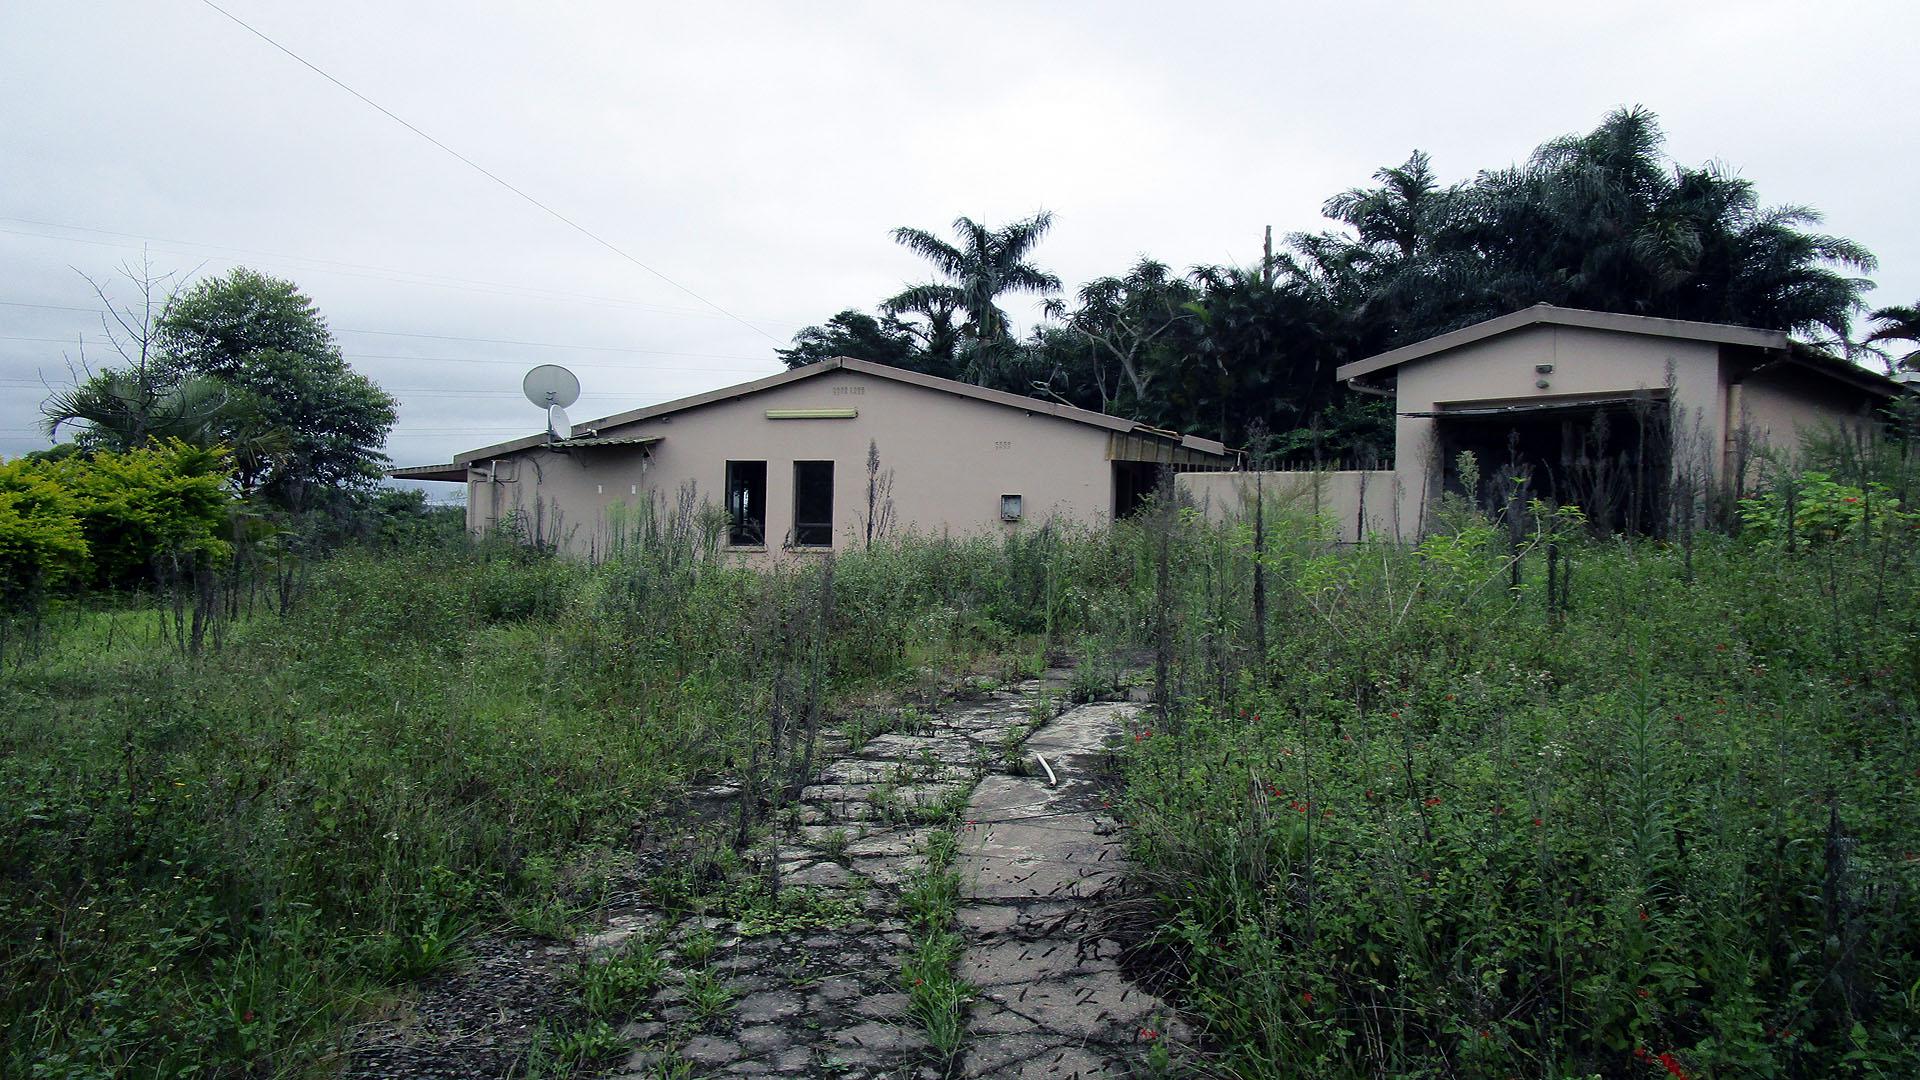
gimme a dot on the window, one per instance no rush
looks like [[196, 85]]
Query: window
[[1010, 508], [746, 503], [813, 504]]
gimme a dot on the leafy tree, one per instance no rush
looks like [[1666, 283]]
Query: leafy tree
[[856, 334], [983, 266], [263, 336]]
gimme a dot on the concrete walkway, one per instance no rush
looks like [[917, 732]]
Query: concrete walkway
[[827, 1002], [1036, 859]]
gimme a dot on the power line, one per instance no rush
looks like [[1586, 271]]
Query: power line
[[378, 273], [441, 337], [475, 166]]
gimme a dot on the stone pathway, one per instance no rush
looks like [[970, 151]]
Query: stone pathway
[[1036, 858], [827, 1002], [808, 984]]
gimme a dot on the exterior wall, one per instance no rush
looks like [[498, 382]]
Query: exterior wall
[[1586, 362], [951, 459], [1359, 505], [1779, 408]]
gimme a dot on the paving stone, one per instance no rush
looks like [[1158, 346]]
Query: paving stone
[[711, 1051], [769, 1007]]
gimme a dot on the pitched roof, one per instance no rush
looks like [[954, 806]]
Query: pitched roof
[[880, 371], [1548, 315]]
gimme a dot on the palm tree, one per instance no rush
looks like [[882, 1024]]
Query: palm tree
[[985, 265], [122, 411], [935, 329], [1898, 323]]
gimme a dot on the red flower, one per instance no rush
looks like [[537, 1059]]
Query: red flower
[[1644, 992], [247, 1017], [1485, 1034], [1672, 1065], [1306, 996], [1394, 715], [1435, 801], [1537, 823], [1643, 914], [1149, 1034]]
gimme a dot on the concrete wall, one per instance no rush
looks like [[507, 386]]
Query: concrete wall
[[1586, 363], [951, 459], [1356, 505], [1778, 408]]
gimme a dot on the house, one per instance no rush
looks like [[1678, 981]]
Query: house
[[1596, 409], [788, 460]]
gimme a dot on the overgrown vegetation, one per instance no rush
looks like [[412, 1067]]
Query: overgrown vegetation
[[209, 861], [1468, 815], [1510, 801]]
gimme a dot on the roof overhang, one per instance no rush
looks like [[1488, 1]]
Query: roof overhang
[[452, 474], [596, 441], [1482, 410], [1548, 315]]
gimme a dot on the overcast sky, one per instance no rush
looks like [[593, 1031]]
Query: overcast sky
[[758, 155]]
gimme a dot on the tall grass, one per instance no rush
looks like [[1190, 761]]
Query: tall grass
[[209, 864], [1446, 826]]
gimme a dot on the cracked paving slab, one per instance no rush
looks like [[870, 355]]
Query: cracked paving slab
[[1035, 861]]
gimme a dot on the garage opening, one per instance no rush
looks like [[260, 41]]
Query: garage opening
[[1133, 484], [1613, 458]]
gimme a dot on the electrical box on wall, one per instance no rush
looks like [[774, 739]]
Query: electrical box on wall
[[1009, 508]]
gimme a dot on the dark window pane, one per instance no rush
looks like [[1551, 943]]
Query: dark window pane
[[813, 504], [746, 503]]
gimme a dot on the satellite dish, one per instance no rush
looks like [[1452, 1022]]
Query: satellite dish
[[549, 385], [558, 425]]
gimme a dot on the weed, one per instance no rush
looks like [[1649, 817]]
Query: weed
[[833, 843], [620, 984], [558, 1052], [699, 947], [935, 996], [708, 995]]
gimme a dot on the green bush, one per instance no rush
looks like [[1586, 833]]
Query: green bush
[[41, 539], [1812, 507]]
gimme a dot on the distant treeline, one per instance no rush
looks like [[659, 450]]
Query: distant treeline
[[1603, 220]]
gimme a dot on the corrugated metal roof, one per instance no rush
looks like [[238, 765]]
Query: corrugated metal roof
[[594, 440], [449, 473]]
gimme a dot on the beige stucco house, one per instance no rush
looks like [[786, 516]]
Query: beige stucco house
[[785, 459], [1597, 409]]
